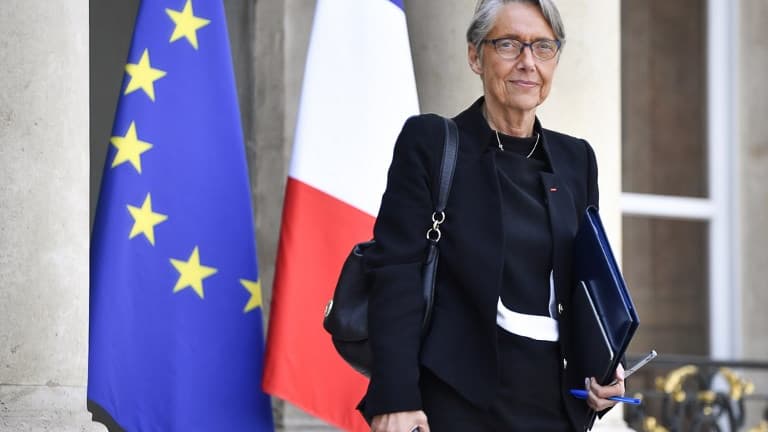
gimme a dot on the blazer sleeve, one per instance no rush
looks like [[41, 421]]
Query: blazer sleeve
[[593, 192], [396, 306]]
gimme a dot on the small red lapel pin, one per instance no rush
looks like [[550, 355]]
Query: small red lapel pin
[[553, 189]]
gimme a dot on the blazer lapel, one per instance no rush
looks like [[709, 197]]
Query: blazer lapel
[[476, 236], [563, 222]]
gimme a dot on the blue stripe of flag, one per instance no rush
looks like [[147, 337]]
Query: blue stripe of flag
[[398, 3]]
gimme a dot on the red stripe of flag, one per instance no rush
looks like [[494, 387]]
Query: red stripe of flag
[[302, 365]]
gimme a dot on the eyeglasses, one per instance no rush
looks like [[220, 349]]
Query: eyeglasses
[[510, 49]]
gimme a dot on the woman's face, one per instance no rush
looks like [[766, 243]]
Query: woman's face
[[519, 84]]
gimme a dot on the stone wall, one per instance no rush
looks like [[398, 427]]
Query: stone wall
[[44, 214], [753, 176]]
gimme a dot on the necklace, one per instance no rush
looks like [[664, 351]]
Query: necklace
[[501, 147]]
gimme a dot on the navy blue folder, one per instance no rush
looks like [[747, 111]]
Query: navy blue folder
[[603, 318]]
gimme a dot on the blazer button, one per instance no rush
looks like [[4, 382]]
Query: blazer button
[[565, 363], [560, 308]]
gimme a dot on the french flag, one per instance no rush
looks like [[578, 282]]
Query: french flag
[[358, 91]]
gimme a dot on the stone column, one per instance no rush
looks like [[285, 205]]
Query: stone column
[[44, 212], [437, 29], [752, 175]]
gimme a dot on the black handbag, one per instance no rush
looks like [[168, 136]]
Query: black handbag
[[346, 315]]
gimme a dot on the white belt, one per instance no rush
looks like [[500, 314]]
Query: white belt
[[537, 327]]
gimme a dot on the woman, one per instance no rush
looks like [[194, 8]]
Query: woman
[[493, 357]]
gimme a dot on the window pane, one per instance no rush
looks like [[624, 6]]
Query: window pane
[[665, 267], [664, 97]]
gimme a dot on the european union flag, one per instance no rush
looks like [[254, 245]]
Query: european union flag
[[176, 330]]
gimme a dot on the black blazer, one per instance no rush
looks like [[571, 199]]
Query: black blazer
[[460, 346]]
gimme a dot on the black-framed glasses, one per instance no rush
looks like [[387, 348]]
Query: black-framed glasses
[[510, 48]]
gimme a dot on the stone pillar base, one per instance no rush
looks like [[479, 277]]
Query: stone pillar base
[[36, 408]]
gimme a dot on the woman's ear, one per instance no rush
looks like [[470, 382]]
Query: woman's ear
[[474, 59]]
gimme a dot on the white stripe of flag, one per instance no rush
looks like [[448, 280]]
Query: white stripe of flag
[[358, 90]]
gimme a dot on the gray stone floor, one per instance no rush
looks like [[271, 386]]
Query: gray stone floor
[[295, 420], [34, 408], [49, 408], [54, 408]]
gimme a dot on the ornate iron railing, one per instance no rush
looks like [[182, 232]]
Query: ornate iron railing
[[696, 394]]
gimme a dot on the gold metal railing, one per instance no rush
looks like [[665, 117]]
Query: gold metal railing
[[697, 394]]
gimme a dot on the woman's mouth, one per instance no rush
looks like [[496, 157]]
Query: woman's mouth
[[524, 83]]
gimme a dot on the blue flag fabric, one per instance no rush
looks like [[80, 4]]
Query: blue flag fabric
[[176, 330]]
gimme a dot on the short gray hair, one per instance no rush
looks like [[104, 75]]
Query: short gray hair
[[486, 12]]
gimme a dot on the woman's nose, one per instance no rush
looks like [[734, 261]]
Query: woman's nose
[[526, 59]]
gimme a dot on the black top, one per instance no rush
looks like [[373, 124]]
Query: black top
[[527, 253], [528, 395]]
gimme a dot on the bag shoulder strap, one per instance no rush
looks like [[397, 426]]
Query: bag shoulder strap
[[447, 167], [448, 164]]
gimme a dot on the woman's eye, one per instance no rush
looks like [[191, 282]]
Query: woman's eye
[[506, 44], [545, 46]]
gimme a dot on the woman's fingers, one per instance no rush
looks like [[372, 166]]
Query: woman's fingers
[[421, 422], [619, 375], [597, 395], [405, 421]]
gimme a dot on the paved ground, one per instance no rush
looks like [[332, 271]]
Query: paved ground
[[44, 408], [54, 408]]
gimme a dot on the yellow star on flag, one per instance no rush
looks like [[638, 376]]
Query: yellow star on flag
[[129, 148], [192, 273], [144, 220], [255, 289], [143, 76], [187, 24]]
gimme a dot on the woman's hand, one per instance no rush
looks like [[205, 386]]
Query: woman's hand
[[597, 397], [404, 421]]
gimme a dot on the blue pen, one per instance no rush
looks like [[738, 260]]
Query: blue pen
[[582, 394]]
